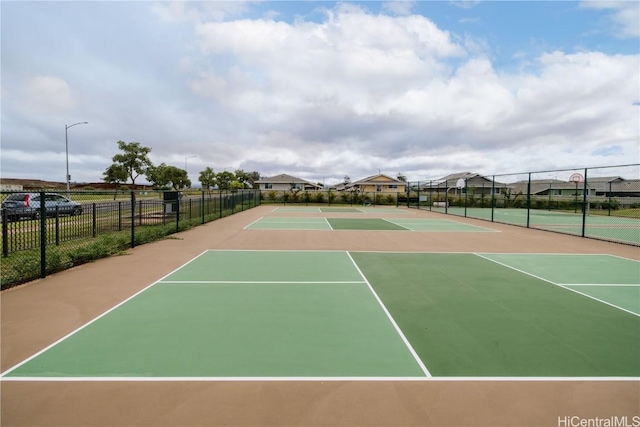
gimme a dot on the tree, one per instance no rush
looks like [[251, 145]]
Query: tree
[[247, 178], [157, 177], [237, 185], [178, 178], [224, 180], [252, 177], [163, 175], [401, 177], [115, 174], [241, 177], [346, 180], [207, 178], [134, 159]]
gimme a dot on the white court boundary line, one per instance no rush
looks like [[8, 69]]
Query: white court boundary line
[[557, 284], [319, 379], [296, 209], [8, 371], [264, 282], [399, 225], [604, 285], [393, 322], [249, 225]]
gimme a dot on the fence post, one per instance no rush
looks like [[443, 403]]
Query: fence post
[[417, 195], [529, 200], [446, 196], [5, 237], [43, 236], [202, 206], [57, 227], [178, 205], [430, 201], [466, 193], [585, 200], [493, 195], [133, 218], [94, 220]]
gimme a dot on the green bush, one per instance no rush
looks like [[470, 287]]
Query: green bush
[[306, 197], [331, 197]]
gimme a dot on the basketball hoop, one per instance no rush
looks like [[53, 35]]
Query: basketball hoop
[[576, 178]]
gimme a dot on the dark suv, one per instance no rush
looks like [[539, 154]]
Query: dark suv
[[19, 205]]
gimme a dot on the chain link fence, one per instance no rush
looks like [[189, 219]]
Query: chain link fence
[[45, 232], [601, 203]]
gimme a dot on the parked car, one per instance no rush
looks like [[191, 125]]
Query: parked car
[[27, 205]]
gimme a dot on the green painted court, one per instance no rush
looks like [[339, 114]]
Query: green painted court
[[372, 224], [338, 209], [613, 228], [363, 315]]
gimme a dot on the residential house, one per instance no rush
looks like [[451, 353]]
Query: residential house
[[597, 188], [284, 182], [379, 183], [461, 183], [607, 186]]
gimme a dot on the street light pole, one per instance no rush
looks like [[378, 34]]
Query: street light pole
[[66, 144], [185, 163]]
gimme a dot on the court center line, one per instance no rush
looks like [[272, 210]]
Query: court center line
[[557, 284], [393, 322], [96, 318]]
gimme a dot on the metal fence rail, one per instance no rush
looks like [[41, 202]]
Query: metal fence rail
[[42, 238]]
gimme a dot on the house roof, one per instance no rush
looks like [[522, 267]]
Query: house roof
[[283, 178], [459, 175], [470, 177], [614, 184], [375, 179]]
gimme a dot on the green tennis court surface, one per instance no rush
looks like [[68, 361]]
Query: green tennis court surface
[[380, 224], [596, 226], [364, 315], [340, 209]]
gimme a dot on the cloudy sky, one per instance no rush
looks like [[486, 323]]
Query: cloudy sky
[[320, 90]]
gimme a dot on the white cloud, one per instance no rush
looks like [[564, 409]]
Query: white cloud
[[400, 7], [465, 4], [182, 10], [625, 16], [48, 94], [366, 91]]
